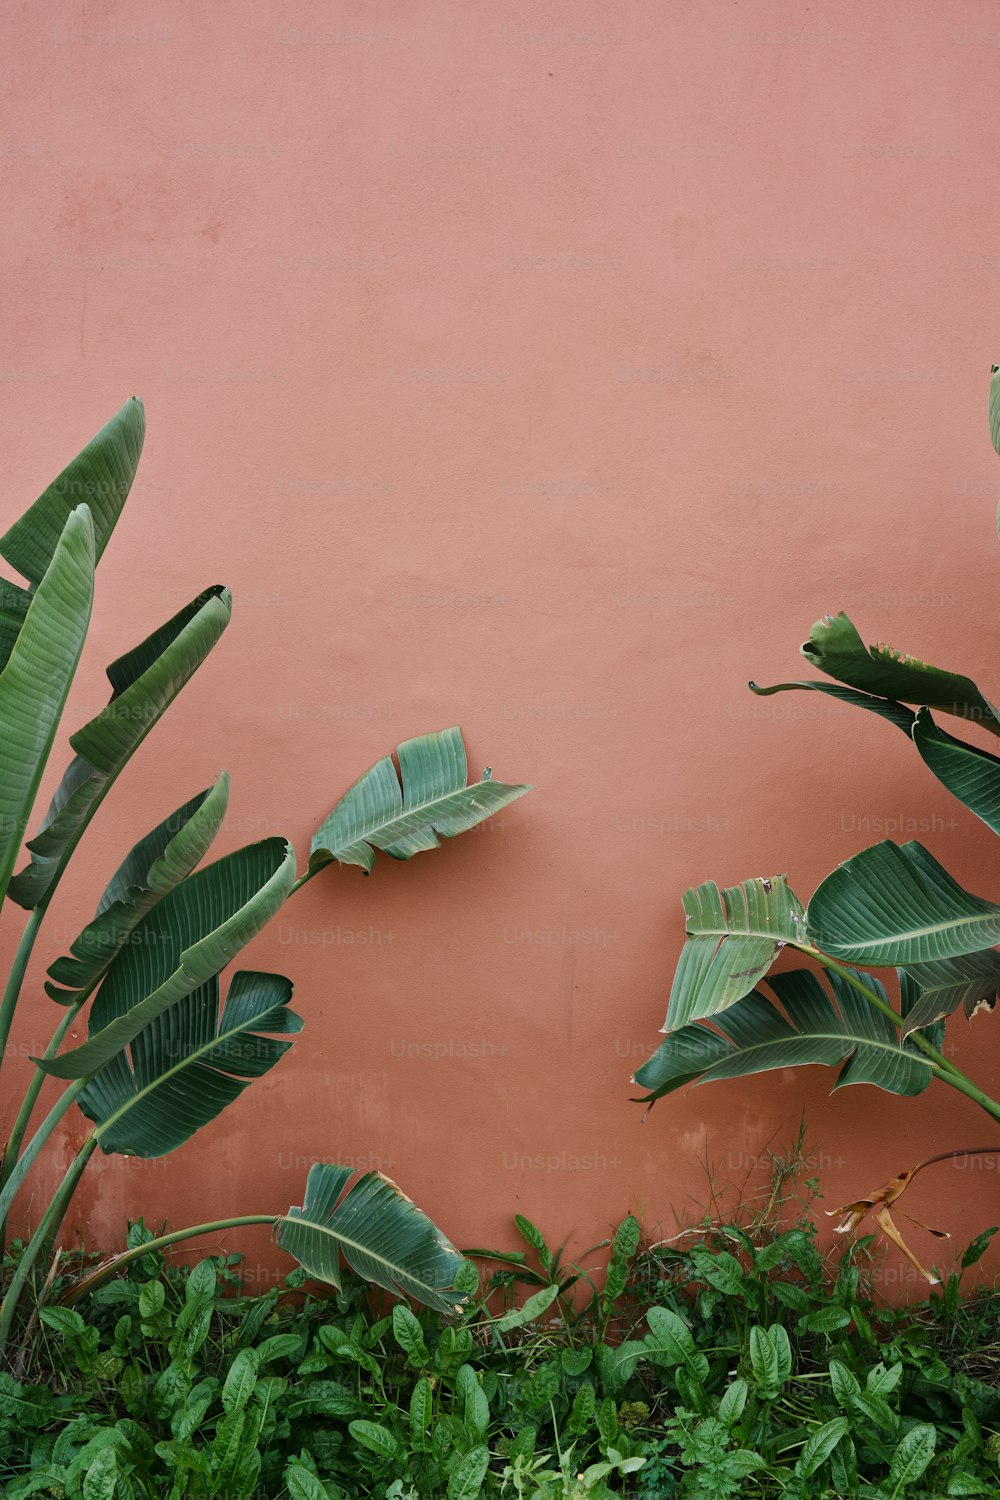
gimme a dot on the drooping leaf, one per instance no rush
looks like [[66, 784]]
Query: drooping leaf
[[885, 708], [433, 803], [36, 679], [894, 904], [189, 1064], [970, 774], [734, 936], [835, 647], [187, 938], [154, 866], [144, 683], [100, 477], [755, 1036], [880, 1201], [971, 981], [994, 407], [380, 1232]]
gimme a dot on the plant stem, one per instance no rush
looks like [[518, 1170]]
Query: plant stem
[[20, 1168], [944, 1069], [15, 979], [118, 1263], [966, 1086], [12, 1150], [303, 880], [47, 1229]]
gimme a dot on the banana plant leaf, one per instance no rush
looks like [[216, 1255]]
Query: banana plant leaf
[[14, 602], [373, 1226], [433, 803], [893, 904], [37, 676], [189, 1064], [100, 477], [971, 981], [756, 1036], [970, 774], [188, 937], [152, 868], [734, 936], [379, 1232], [144, 683], [885, 708], [835, 647]]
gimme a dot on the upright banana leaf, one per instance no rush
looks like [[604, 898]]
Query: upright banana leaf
[[434, 802], [379, 1232], [100, 477], [755, 1036], [189, 1064], [893, 904], [14, 603], [835, 647], [144, 683], [734, 936], [152, 868], [188, 937], [37, 676]]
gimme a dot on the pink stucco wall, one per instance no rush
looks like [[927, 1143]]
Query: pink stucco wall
[[548, 368]]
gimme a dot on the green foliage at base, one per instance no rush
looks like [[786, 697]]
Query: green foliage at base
[[730, 1361]]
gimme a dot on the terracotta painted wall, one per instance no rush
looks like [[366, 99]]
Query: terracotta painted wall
[[548, 368]]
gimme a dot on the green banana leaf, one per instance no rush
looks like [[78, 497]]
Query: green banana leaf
[[190, 1064], [885, 708], [971, 981], [379, 1232], [755, 1036], [970, 774], [434, 802], [188, 937], [14, 602], [144, 683], [835, 647], [893, 904], [100, 477], [373, 1226], [37, 676], [152, 868], [734, 936]]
